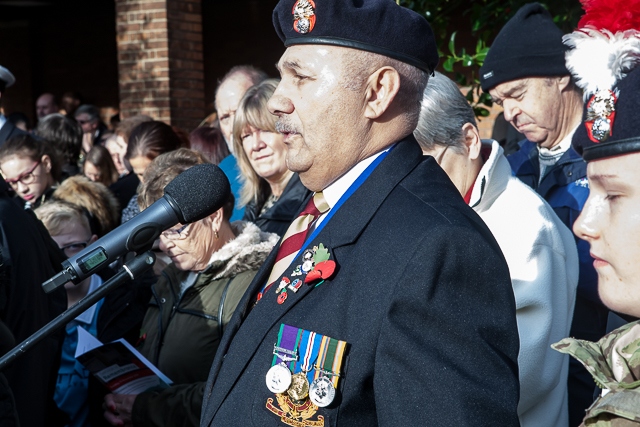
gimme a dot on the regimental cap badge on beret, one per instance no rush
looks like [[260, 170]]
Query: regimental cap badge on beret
[[603, 59], [304, 16], [601, 112]]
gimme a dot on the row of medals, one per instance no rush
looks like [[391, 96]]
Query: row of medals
[[321, 391]]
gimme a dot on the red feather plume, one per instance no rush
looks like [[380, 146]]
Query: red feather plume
[[612, 15]]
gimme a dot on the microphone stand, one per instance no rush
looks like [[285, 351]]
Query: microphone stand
[[129, 271]]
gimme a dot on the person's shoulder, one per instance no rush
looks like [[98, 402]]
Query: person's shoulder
[[523, 152], [537, 222]]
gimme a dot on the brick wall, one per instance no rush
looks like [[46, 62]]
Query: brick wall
[[160, 60]]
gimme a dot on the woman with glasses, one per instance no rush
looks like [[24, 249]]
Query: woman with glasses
[[69, 228], [31, 168], [273, 195], [213, 263]]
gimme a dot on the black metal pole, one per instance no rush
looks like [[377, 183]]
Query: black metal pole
[[129, 271]]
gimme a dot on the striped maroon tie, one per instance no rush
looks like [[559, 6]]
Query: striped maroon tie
[[295, 236]]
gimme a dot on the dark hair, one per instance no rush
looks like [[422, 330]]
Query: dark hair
[[99, 157], [164, 169], [126, 126], [150, 139], [64, 133], [183, 135], [209, 141], [26, 145], [91, 110]]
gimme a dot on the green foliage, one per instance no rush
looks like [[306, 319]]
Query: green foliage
[[479, 21]]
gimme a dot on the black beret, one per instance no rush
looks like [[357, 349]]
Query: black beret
[[529, 45], [379, 26], [610, 124]]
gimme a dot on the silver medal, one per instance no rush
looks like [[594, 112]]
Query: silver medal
[[278, 378], [322, 392]]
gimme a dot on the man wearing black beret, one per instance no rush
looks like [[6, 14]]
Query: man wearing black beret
[[387, 302], [525, 73], [7, 129]]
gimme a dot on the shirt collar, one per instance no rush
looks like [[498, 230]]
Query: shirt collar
[[3, 120], [336, 190]]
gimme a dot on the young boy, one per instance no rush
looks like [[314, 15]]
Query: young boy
[[69, 227]]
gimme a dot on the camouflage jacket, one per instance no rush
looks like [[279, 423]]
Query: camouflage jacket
[[614, 363]]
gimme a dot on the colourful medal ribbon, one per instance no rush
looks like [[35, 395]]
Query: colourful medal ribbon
[[330, 359], [286, 349], [309, 348]]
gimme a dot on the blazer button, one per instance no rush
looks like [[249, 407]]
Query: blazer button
[[162, 300]]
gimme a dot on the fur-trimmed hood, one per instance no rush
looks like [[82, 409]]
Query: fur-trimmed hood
[[247, 251]]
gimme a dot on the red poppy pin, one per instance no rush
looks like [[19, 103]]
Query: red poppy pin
[[304, 16], [321, 271]]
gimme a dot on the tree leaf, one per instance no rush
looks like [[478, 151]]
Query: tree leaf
[[448, 64], [452, 43]]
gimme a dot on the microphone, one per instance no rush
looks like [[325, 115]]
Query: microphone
[[193, 195]]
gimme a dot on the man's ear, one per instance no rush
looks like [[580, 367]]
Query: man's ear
[[563, 82], [382, 87], [472, 140]]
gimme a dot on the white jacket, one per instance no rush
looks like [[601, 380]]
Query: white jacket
[[543, 262]]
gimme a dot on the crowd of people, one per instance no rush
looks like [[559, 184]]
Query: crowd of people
[[376, 261]]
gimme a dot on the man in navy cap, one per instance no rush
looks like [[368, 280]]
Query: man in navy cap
[[7, 129], [525, 73], [388, 301]]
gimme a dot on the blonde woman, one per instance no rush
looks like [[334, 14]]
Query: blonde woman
[[272, 194]]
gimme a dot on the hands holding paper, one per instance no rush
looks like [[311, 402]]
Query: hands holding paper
[[118, 408]]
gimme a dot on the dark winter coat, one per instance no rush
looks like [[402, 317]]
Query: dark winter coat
[[181, 331], [421, 295]]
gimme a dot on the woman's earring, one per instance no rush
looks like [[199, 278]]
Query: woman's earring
[[217, 235]]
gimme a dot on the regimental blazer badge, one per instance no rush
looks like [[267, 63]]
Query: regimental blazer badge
[[296, 414]]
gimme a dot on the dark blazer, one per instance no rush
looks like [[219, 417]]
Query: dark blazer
[[283, 212], [8, 131], [421, 295]]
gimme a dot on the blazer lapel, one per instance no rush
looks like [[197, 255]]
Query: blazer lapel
[[344, 228]]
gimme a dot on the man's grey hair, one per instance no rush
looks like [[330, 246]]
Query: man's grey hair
[[443, 113], [412, 79]]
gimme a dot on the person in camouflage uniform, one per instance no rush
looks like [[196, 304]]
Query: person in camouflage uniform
[[614, 363], [603, 60]]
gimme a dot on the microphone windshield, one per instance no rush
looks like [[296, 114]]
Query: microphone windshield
[[198, 192]]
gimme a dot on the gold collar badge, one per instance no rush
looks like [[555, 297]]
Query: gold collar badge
[[304, 16]]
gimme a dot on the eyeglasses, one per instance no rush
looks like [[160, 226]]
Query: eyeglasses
[[26, 178], [73, 248], [176, 233]]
